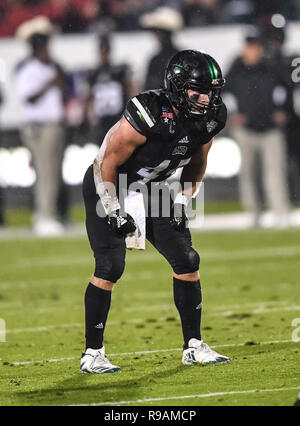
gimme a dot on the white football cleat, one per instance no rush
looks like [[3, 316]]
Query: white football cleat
[[94, 361], [199, 352]]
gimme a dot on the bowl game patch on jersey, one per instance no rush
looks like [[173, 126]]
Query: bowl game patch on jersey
[[211, 126], [167, 115]]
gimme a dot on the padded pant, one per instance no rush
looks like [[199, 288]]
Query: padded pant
[[110, 250]]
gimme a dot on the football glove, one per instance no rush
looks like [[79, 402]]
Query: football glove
[[121, 224], [179, 218]]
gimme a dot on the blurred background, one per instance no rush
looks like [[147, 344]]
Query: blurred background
[[67, 68]]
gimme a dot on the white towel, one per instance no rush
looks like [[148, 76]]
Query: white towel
[[134, 205]]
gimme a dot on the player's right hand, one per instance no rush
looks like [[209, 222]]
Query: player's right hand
[[179, 218], [121, 224]]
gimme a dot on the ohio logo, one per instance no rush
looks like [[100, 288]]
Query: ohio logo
[[180, 150]]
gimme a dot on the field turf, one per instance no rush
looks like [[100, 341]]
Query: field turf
[[251, 295]]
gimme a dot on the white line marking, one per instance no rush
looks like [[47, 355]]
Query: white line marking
[[203, 395], [148, 256], [43, 328], [265, 304], [154, 351], [258, 311], [153, 308], [74, 325], [30, 283], [13, 307]]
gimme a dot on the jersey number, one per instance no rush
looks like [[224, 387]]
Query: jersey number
[[108, 98], [150, 173]]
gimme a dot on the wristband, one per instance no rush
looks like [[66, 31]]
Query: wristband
[[182, 199], [109, 203]]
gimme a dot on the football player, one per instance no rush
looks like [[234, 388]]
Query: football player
[[160, 131], [110, 87]]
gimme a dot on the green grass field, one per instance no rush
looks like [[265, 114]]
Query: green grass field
[[251, 295]]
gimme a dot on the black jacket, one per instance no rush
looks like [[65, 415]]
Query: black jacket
[[156, 68], [260, 90]]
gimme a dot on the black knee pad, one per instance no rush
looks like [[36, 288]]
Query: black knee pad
[[194, 259], [189, 261], [109, 266]]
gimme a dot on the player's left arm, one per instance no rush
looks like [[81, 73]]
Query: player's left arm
[[193, 173], [191, 178]]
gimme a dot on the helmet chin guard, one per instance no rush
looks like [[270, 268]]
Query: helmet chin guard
[[198, 71]]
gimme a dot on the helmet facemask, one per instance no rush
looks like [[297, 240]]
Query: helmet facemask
[[197, 100], [195, 107]]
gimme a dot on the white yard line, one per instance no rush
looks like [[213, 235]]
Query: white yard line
[[258, 311], [273, 342], [203, 395], [73, 325], [213, 222], [158, 295], [265, 304], [39, 282], [146, 256], [32, 282], [261, 310]]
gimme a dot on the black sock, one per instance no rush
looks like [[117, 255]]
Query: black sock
[[188, 301], [97, 304]]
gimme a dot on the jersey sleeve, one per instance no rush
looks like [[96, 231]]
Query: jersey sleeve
[[140, 114]]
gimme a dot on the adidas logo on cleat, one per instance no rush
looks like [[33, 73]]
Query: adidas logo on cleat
[[189, 357]]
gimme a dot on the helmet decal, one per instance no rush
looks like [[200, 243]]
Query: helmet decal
[[212, 68]]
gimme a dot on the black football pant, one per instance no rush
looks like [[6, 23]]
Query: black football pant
[[109, 249]]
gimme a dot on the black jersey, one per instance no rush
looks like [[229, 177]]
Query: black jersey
[[171, 142], [109, 88]]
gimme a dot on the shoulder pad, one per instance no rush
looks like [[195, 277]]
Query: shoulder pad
[[214, 126], [222, 115], [142, 112]]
